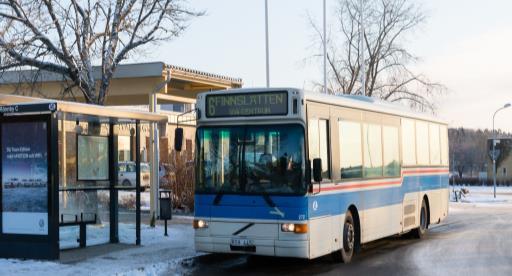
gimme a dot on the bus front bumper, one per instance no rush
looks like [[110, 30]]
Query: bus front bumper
[[267, 247]]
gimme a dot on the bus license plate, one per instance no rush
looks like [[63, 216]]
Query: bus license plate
[[241, 242]]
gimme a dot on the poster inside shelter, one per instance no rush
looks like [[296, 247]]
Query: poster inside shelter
[[25, 178], [92, 157]]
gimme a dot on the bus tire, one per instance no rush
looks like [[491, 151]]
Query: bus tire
[[420, 232], [346, 253]]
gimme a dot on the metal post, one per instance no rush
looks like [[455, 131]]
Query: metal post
[[494, 145], [53, 186], [325, 47], [153, 150], [114, 207], [154, 137], [137, 182], [266, 44], [494, 153], [156, 172]]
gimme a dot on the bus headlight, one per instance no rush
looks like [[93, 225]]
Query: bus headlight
[[294, 227], [199, 224]]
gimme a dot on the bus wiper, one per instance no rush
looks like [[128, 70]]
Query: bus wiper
[[218, 197], [268, 200]]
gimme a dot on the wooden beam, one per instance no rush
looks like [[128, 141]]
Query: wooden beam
[[177, 99]]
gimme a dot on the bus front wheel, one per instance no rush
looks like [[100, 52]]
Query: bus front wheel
[[346, 253]]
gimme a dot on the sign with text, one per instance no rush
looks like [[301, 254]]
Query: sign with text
[[250, 104], [24, 178], [28, 108]]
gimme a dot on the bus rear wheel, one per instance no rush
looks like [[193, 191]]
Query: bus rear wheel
[[346, 253], [422, 229]]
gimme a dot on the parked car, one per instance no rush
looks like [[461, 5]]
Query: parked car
[[126, 174]]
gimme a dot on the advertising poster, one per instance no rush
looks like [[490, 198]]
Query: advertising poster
[[92, 158], [25, 178]]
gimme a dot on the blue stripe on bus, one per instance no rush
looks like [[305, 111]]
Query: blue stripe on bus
[[301, 207]]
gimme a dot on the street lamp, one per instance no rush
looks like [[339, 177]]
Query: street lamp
[[494, 155]]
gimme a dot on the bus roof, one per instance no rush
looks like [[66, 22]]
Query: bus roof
[[351, 101]]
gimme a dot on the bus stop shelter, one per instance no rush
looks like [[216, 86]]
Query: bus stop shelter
[[60, 175]]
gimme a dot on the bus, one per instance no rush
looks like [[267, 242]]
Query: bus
[[283, 172]]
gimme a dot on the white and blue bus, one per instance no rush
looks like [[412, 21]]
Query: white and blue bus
[[282, 172]]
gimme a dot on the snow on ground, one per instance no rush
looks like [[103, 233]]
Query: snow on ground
[[128, 198], [483, 195], [157, 255]]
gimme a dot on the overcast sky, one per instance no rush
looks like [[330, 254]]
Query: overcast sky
[[465, 45]]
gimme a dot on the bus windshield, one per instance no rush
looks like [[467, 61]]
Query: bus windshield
[[250, 160]]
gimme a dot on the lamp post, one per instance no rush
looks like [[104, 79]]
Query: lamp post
[[267, 62], [494, 155], [362, 46], [325, 46]]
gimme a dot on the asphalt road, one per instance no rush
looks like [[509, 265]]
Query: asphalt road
[[473, 240]]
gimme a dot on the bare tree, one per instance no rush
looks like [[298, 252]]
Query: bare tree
[[388, 73], [68, 37]]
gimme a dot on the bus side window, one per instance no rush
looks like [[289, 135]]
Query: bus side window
[[324, 148], [351, 156], [318, 134], [444, 144], [422, 143], [408, 142], [372, 143], [435, 144], [391, 151]]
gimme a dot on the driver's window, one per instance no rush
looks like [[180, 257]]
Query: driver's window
[[318, 133]]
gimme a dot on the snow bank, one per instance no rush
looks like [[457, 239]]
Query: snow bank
[[483, 195]]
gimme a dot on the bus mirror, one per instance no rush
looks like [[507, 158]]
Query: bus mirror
[[317, 170], [178, 138]]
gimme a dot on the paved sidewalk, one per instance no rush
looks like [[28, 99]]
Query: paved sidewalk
[[157, 255]]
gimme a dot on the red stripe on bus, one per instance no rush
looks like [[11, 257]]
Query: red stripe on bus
[[342, 186], [360, 185], [426, 171]]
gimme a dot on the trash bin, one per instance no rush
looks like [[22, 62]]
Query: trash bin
[[165, 204]]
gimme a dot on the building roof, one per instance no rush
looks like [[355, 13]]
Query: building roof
[[130, 70], [130, 85]]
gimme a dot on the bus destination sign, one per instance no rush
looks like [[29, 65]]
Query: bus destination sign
[[250, 104]]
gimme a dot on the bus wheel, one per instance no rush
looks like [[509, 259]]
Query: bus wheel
[[422, 229], [346, 253]]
